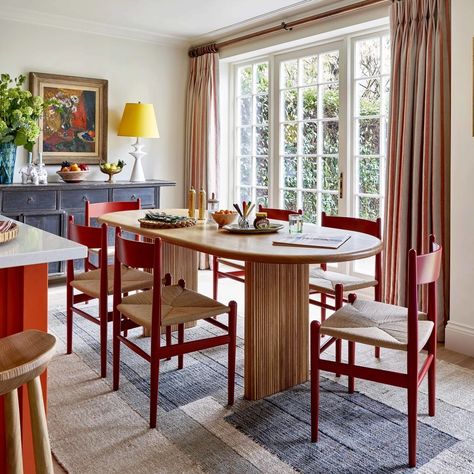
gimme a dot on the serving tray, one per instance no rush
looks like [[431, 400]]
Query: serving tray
[[235, 229], [161, 220], [8, 231]]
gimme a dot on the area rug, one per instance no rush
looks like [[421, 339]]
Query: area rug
[[94, 429]]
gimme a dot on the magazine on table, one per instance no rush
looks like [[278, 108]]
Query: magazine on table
[[313, 240]]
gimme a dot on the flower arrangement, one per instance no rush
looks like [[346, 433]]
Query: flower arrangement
[[19, 113], [67, 107]]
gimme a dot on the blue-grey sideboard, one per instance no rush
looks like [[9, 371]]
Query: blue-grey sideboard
[[48, 206]]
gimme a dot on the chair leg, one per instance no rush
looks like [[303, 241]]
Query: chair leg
[[39, 428], [412, 422], [13, 432], [377, 352], [338, 353], [103, 317], [338, 302], [315, 354], [69, 303], [323, 309], [180, 341], [231, 353], [168, 338], [351, 358], [116, 346], [154, 381], [215, 276], [432, 376]]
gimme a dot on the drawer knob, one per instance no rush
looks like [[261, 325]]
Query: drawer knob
[[134, 197], [84, 198], [30, 199]]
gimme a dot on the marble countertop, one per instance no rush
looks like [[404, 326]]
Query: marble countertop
[[34, 246]]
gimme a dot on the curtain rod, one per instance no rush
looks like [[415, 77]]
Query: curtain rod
[[214, 47]]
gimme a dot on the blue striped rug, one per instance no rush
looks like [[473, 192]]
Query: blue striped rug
[[358, 433]]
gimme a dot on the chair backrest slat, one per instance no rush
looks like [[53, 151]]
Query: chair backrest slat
[[97, 209], [134, 253], [428, 266], [354, 224], [91, 237], [278, 214]]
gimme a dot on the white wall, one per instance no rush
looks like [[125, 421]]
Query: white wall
[[136, 71], [460, 329]]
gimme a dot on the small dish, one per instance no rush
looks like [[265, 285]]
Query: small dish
[[235, 229]]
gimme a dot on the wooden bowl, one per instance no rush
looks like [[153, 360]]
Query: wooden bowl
[[73, 176], [224, 219]]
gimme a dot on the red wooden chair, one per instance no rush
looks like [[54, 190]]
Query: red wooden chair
[[238, 273], [96, 284], [97, 209], [390, 326], [165, 306]]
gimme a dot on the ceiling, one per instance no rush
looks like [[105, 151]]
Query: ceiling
[[182, 20]]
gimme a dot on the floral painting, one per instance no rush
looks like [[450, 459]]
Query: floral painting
[[74, 127]]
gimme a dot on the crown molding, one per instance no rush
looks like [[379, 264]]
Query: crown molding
[[64, 22]]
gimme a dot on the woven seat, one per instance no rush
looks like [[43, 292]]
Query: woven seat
[[326, 281], [376, 324], [89, 282], [178, 306]]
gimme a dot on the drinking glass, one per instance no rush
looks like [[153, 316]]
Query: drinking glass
[[295, 223]]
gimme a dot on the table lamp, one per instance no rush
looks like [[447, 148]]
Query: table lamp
[[138, 120]]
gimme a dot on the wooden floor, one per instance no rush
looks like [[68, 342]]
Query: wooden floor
[[57, 298]]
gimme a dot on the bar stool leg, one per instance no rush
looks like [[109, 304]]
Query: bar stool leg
[[39, 428], [13, 433]]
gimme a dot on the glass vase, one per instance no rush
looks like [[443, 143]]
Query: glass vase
[[7, 162], [244, 222]]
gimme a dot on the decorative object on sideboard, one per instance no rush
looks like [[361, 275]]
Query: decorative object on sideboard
[[138, 120], [112, 169], [74, 127], [34, 173], [73, 173], [19, 115]]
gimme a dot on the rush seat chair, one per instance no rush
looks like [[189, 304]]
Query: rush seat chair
[[390, 326]]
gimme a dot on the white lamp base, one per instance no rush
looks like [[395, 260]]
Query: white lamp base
[[138, 176]]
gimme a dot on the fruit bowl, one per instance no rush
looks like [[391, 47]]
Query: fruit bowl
[[111, 169], [224, 218], [73, 176]]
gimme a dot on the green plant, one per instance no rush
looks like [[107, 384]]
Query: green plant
[[19, 112]]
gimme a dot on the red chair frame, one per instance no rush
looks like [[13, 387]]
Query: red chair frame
[[148, 255], [239, 272], [422, 270], [92, 238]]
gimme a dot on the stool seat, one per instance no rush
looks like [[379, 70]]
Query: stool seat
[[23, 357]]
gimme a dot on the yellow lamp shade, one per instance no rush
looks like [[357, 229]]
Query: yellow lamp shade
[[138, 120]]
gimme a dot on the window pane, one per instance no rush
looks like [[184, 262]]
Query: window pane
[[310, 206], [369, 137], [245, 194], [369, 175], [386, 96], [290, 175], [262, 77], [368, 97], [290, 200], [290, 105], [262, 140], [289, 74], [245, 111], [386, 54], [330, 138], [310, 173], [310, 70], [310, 138], [329, 204], [245, 80], [330, 64], [262, 171], [369, 208], [330, 100], [368, 59], [262, 197], [245, 141], [310, 103], [290, 138], [262, 108], [246, 170], [330, 173]]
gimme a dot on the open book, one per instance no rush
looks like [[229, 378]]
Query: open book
[[313, 240]]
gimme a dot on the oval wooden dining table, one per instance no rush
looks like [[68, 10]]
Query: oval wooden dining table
[[276, 289]]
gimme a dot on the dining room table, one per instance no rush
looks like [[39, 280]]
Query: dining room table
[[276, 313]]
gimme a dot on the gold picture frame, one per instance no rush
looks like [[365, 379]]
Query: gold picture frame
[[74, 128]]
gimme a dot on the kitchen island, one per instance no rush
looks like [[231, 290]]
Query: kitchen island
[[24, 302]]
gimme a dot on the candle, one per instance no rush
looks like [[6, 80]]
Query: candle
[[191, 202], [202, 204]]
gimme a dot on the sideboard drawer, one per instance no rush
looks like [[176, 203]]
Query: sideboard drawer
[[76, 198], [147, 195], [29, 200]]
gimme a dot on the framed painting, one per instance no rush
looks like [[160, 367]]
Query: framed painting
[[74, 128]]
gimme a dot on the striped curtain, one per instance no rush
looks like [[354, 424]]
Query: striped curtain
[[418, 183], [202, 127]]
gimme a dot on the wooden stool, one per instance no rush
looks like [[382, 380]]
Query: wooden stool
[[23, 358]]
